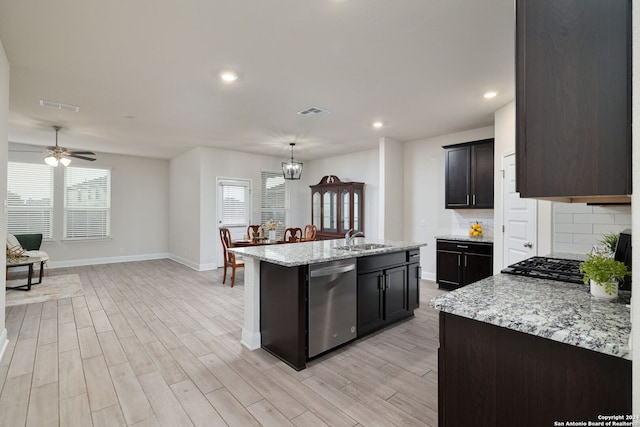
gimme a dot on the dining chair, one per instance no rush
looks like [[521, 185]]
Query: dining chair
[[292, 235], [253, 232], [230, 259], [310, 233]]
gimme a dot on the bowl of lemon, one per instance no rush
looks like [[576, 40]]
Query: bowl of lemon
[[475, 229]]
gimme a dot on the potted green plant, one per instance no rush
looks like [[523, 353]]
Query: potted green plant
[[609, 241], [602, 273]]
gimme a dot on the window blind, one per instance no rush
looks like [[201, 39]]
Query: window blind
[[87, 202], [235, 203], [29, 198], [274, 200]]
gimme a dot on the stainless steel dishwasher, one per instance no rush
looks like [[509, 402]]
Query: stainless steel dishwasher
[[332, 305]]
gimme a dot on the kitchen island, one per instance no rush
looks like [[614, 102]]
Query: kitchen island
[[276, 289], [531, 352]]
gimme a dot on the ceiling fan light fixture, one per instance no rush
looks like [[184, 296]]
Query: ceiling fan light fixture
[[51, 161], [291, 168], [65, 161]]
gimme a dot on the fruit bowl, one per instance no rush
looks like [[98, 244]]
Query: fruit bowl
[[475, 229]]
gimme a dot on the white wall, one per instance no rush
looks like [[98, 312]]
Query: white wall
[[139, 213], [391, 200], [635, 213], [4, 132], [362, 166], [425, 215], [184, 208]]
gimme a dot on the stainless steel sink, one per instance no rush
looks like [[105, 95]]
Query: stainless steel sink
[[362, 247]]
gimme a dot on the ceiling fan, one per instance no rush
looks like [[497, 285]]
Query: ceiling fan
[[57, 154]]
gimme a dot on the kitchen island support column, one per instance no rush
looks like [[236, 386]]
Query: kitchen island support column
[[251, 330]]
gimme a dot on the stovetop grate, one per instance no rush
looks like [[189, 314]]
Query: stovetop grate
[[565, 270]]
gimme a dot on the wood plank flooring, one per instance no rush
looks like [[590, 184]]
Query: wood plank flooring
[[155, 343]]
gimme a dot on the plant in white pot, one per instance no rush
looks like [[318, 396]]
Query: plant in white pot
[[602, 272]]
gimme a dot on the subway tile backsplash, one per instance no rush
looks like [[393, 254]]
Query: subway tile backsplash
[[577, 227]]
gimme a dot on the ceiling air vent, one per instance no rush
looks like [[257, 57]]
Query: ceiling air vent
[[59, 105], [313, 111]]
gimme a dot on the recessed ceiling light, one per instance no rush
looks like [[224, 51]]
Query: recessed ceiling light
[[377, 124], [228, 76], [490, 95]]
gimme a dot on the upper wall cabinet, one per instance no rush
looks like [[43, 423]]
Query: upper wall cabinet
[[337, 207], [469, 175], [573, 100]]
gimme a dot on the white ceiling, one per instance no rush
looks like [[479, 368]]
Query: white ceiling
[[145, 72]]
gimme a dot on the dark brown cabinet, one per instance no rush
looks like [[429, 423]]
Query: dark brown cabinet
[[469, 175], [337, 207], [459, 263], [573, 99], [494, 376], [388, 289]]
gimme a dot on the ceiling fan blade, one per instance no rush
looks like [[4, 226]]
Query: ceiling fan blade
[[80, 157], [91, 153]]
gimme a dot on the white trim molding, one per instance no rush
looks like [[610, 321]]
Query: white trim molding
[[108, 260], [193, 265], [4, 343]]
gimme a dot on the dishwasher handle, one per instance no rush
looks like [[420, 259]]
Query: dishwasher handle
[[332, 270]]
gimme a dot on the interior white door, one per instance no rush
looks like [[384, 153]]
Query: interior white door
[[520, 218], [233, 210]]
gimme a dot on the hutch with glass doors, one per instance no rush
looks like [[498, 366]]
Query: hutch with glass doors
[[337, 207]]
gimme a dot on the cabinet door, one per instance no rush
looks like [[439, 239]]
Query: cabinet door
[[316, 210], [345, 211], [482, 176], [330, 211], [476, 267], [457, 179], [370, 307], [357, 211], [396, 298], [448, 270], [413, 284], [573, 100]]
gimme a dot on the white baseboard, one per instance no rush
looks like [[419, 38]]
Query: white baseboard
[[193, 265], [251, 340], [4, 343], [108, 260]]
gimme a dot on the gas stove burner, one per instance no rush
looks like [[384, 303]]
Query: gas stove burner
[[564, 270]]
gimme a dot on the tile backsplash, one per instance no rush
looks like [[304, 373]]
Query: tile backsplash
[[461, 218], [577, 227]]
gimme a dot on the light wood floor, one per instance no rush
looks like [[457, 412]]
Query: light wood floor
[[156, 343]]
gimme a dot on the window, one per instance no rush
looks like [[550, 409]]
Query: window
[[29, 198], [235, 203], [87, 203], [275, 199]]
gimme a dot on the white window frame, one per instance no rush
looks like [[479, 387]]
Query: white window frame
[[47, 234], [267, 213], [66, 208]]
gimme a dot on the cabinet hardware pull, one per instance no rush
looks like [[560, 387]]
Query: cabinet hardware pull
[[474, 200], [419, 272], [415, 255], [387, 279], [465, 260], [467, 199], [380, 282], [458, 260], [462, 246]]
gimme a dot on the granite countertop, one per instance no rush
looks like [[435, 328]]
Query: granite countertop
[[559, 311], [294, 254], [463, 238]]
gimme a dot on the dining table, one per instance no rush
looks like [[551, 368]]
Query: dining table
[[260, 241]]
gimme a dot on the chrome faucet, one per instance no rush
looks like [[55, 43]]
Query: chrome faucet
[[349, 238]]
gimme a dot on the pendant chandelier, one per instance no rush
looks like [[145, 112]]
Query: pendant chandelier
[[292, 169]]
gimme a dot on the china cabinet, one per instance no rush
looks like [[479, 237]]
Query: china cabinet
[[337, 207]]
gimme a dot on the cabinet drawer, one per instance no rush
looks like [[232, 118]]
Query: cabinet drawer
[[413, 255], [379, 262], [463, 246]]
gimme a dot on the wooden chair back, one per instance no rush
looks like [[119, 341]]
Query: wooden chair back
[[310, 233], [229, 257], [292, 235], [253, 231]]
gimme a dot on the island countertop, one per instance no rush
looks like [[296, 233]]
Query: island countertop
[[294, 254], [559, 311]]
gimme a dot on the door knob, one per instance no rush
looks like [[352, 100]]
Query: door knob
[[528, 245]]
